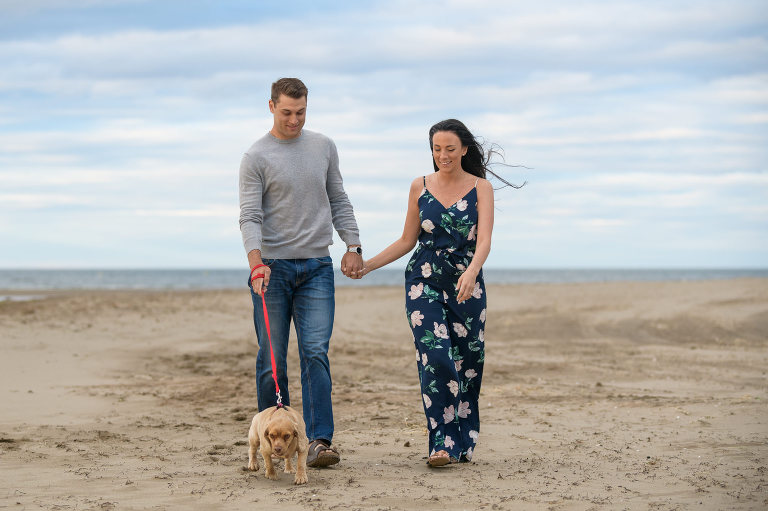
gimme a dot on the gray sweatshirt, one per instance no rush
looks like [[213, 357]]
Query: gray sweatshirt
[[292, 197]]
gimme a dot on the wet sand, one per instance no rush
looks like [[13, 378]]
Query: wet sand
[[595, 396]]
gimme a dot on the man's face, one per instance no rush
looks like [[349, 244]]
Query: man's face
[[289, 114]]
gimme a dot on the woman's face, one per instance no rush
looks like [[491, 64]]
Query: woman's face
[[447, 151]]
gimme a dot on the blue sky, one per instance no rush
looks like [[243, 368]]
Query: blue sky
[[644, 124]]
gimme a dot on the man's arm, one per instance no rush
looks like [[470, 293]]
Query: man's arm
[[251, 213], [343, 215], [251, 217]]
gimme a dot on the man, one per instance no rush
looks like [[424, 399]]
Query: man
[[291, 199]]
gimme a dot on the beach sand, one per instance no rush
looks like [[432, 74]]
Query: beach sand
[[595, 396]]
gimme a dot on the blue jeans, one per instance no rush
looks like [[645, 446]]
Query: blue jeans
[[302, 289]]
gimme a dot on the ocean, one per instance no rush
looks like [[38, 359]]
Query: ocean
[[190, 279]]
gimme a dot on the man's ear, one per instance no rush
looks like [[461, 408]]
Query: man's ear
[[271, 106]]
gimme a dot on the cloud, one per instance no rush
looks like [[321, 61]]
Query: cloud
[[639, 121], [16, 201], [222, 211], [27, 7]]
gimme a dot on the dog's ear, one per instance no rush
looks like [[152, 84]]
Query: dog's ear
[[266, 438]]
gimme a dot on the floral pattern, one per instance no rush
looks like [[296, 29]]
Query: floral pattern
[[449, 414], [441, 331], [416, 291], [448, 335], [460, 329]]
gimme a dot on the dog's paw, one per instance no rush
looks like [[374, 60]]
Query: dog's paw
[[270, 474], [289, 468], [300, 479], [253, 467]]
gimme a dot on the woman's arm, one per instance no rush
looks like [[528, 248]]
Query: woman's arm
[[410, 235], [466, 283]]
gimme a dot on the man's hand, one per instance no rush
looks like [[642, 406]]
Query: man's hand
[[352, 265], [260, 284]]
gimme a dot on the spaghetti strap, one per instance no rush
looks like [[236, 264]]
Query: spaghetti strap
[[476, 180], [424, 178]]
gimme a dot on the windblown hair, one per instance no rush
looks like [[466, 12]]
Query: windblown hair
[[477, 161], [291, 87]]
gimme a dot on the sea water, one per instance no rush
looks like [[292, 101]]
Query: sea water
[[189, 279]]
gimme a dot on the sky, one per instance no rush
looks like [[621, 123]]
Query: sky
[[641, 126]]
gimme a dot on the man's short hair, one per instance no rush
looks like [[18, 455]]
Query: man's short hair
[[291, 87]]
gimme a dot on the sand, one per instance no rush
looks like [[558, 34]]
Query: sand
[[595, 396]]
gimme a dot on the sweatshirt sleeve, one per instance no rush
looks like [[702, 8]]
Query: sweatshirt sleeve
[[342, 214], [251, 212]]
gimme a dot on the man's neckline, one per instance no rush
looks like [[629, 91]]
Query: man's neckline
[[286, 140]]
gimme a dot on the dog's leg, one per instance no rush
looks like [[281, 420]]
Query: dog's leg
[[253, 459], [301, 467], [269, 467], [288, 465]]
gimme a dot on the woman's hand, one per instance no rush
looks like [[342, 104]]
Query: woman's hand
[[362, 272], [466, 284]]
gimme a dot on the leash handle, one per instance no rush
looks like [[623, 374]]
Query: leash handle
[[258, 275], [271, 350]]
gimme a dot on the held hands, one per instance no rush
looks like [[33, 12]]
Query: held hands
[[364, 270], [466, 285], [352, 265], [260, 278]]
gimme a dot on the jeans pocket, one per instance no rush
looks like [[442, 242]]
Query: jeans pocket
[[323, 260]]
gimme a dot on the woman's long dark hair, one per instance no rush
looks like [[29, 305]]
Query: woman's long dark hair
[[477, 161]]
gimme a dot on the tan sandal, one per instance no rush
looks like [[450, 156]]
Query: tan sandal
[[439, 459]]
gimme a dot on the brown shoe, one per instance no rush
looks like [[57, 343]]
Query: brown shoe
[[321, 454]]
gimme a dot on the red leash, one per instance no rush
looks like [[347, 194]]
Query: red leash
[[269, 336]]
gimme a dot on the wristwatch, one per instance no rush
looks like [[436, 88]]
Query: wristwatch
[[356, 250]]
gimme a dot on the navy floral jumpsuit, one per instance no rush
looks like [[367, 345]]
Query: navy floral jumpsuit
[[448, 335]]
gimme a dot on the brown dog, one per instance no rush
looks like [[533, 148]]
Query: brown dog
[[279, 432]]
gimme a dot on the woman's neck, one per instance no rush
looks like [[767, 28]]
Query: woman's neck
[[449, 177]]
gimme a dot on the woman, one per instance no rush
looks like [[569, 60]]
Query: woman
[[450, 214]]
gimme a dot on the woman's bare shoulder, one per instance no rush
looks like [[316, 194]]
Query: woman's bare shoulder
[[484, 184], [417, 183], [484, 188]]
